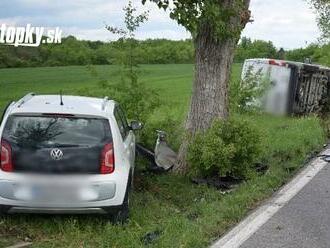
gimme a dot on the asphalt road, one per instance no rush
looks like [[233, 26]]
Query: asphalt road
[[303, 222]]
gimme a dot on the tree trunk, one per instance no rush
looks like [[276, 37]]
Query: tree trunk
[[213, 61]]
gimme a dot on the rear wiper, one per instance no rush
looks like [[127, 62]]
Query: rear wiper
[[63, 145], [67, 145]]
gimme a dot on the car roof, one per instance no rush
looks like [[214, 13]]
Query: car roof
[[76, 105]]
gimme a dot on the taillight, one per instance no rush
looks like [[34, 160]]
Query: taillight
[[273, 62], [107, 160], [6, 157]]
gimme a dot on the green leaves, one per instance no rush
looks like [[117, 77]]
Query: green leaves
[[322, 8], [162, 4], [223, 16], [245, 94], [134, 95], [229, 148], [132, 22]]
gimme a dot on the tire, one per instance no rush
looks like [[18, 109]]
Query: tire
[[3, 210], [122, 214]]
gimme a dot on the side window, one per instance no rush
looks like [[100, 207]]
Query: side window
[[120, 123], [124, 119]]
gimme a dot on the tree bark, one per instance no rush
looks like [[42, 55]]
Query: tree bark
[[209, 99], [213, 62]]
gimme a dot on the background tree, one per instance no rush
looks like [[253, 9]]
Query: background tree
[[216, 26], [138, 100], [281, 53], [300, 54], [322, 8], [248, 49]]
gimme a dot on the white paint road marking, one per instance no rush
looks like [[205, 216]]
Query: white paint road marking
[[244, 230]]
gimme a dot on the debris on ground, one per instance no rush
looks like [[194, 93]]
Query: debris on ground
[[145, 153], [165, 157], [193, 216], [21, 245], [261, 168], [325, 158], [228, 183], [150, 157], [151, 237], [220, 183]]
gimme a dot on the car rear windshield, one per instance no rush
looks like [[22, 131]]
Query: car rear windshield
[[49, 131]]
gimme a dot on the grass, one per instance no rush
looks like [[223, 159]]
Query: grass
[[182, 214], [173, 82]]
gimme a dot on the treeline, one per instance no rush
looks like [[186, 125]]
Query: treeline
[[153, 51], [248, 49], [317, 53], [80, 52]]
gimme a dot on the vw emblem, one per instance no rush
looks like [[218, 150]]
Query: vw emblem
[[56, 154]]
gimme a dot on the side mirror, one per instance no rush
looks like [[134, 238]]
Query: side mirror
[[136, 125]]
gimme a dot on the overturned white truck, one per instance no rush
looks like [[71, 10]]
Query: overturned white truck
[[293, 87]]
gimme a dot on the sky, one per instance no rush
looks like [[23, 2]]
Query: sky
[[287, 23]]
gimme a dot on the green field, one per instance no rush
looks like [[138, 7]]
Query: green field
[[172, 81], [182, 214]]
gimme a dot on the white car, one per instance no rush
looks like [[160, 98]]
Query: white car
[[66, 154]]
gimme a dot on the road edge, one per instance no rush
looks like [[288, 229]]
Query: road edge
[[247, 227]]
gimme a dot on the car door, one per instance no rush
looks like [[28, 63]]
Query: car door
[[127, 135]]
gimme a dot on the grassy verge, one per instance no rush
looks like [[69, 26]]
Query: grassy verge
[[184, 215], [167, 211]]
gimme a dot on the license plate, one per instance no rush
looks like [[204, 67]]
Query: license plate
[[54, 193]]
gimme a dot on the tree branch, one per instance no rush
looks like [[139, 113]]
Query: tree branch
[[246, 3]]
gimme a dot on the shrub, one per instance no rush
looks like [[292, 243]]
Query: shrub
[[228, 148], [137, 99], [245, 95]]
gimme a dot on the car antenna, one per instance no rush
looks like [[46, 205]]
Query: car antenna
[[61, 98]]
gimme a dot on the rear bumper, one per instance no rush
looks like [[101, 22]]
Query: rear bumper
[[58, 193], [27, 210], [94, 193], [48, 210]]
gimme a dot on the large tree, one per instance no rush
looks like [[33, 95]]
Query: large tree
[[322, 8], [216, 26]]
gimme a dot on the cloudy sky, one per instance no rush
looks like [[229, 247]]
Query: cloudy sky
[[288, 23]]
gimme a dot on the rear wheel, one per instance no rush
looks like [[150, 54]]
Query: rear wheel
[[122, 214], [3, 210]]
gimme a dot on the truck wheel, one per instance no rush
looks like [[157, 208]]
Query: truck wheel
[[3, 210]]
